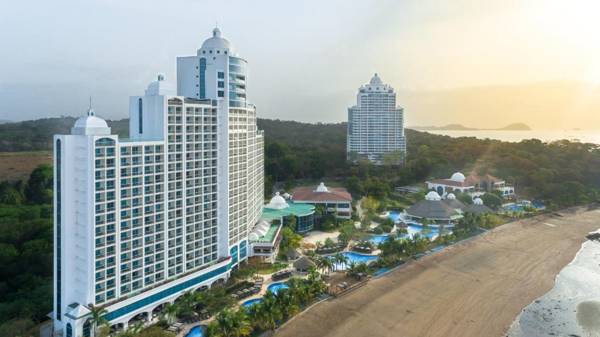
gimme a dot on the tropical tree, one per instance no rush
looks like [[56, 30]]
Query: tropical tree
[[287, 304], [267, 313], [316, 286], [230, 323], [298, 288], [133, 330], [354, 269], [97, 318], [170, 312], [186, 303], [324, 263], [289, 240], [339, 259]]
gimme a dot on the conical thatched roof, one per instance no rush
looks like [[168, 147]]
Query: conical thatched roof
[[304, 263], [478, 209], [432, 209], [454, 203]]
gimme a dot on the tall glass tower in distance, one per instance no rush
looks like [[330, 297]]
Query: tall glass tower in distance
[[376, 125]]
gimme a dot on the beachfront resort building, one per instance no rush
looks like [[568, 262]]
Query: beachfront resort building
[[443, 210], [476, 185], [376, 125], [140, 221], [435, 210], [264, 238], [335, 200], [278, 210]]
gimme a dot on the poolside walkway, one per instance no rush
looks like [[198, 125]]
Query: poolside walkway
[[317, 236], [473, 288]]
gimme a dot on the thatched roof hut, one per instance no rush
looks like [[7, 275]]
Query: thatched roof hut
[[303, 264]]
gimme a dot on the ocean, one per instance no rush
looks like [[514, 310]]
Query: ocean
[[584, 136]]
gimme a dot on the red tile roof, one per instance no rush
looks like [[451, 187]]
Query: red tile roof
[[307, 193]]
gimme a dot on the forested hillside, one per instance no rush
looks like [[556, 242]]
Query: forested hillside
[[37, 134], [562, 173]]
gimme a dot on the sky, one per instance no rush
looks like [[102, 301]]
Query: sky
[[306, 58]]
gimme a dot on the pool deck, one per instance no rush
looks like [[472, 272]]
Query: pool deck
[[473, 288], [317, 236]]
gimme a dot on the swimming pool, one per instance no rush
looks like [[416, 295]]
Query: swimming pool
[[394, 216], [275, 287], [356, 258], [412, 229], [249, 303], [377, 239], [197, 331]]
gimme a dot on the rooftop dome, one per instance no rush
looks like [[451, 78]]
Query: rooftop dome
[[477, 201], [433, 196], [375, 80], [322, 188], [160, 87], [216, 42], [451, 196], [277, 202], [90, 125], [457, 176]]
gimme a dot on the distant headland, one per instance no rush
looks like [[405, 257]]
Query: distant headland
[[460, 127]]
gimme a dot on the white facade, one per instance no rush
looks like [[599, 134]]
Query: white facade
[[376, 125], [140, 221]]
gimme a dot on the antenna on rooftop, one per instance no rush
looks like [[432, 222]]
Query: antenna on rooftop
[[90, 110]]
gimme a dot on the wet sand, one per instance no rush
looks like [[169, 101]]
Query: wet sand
[[474, 288]]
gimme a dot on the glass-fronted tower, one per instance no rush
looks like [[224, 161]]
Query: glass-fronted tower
[[376, 125], [140, 221]]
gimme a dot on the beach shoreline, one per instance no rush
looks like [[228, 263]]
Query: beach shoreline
[[473, 288], [572, 306]]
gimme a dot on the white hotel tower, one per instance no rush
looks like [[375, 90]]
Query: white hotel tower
[[138, 222], [376, 125]]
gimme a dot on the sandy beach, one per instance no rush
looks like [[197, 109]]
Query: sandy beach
[[572, 307], [474, 288]]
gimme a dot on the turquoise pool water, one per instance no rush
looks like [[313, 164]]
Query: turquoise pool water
[[275, 287], [197, 331], [356, 258], [377, 239], [514, 208], [412, 230], [394, 216], [251, 302]]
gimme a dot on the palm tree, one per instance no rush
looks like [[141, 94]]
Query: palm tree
[[170, 312], [299, 291], [97, 317], [315, 285], [339, 259], [187, 302], [132, 330], [286, 303], [229, 323], [325, 263], [269, 312]]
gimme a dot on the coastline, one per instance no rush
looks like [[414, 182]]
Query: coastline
[[473, 288], [572, 306]]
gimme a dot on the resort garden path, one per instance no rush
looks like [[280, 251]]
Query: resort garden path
[[473, 288]]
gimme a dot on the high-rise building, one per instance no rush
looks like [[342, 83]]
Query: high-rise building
[[376, 125], [140, 221]]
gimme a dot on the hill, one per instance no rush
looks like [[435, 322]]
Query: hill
[[36, 135], [460, 127], [516, 127]]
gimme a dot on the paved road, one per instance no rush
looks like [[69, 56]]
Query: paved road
[[475, 288]]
